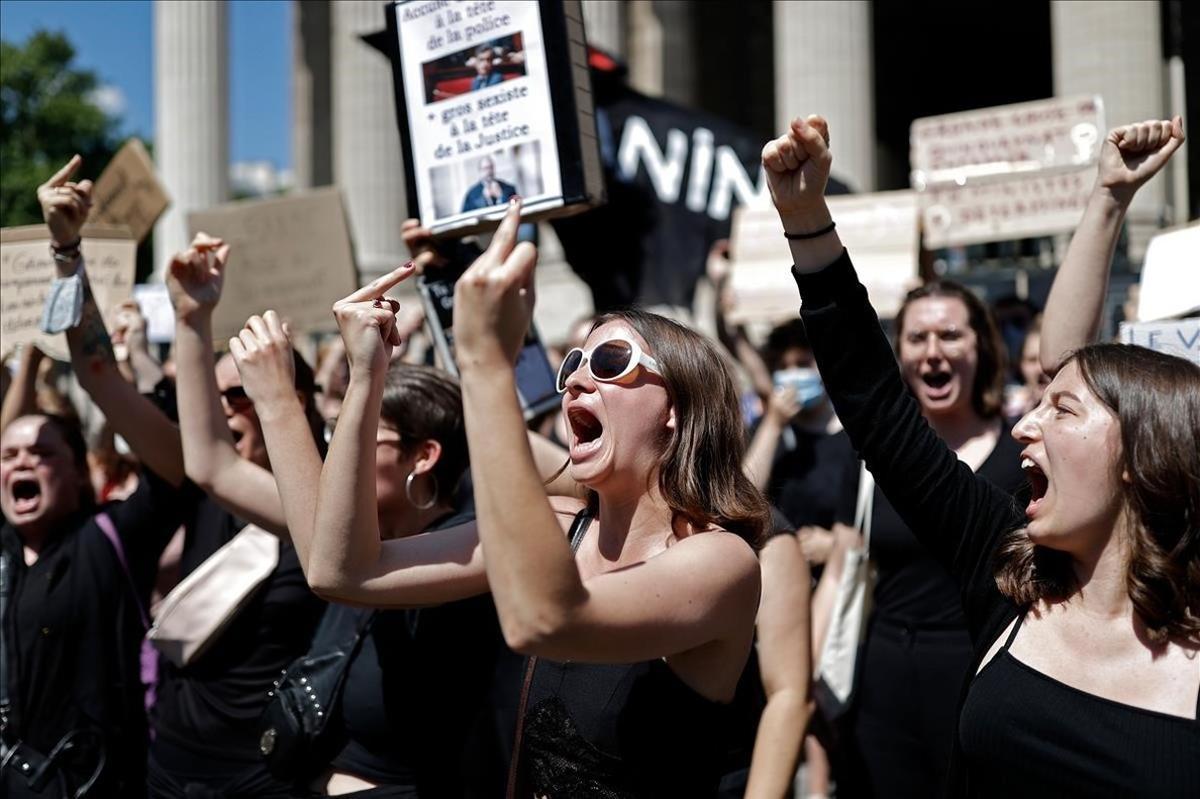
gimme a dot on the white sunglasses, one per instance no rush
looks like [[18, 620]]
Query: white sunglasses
[[608, 361]]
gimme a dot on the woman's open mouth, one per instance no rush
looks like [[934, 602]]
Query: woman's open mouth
[[586, 430], [26, 494], [937, 384], [1038, 485]]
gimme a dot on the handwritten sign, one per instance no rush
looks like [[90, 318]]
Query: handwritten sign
[[880, 230], [128, 192], [1181, 338], [1007, 139], [291, 254], [27, 269], [1017, 207]]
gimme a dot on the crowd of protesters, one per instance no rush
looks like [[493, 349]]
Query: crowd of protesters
[[434, 598]]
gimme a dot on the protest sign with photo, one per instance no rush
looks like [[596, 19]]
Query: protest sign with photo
[[1007, 172], [494, 102], [128, 192], [27, 270], [292, 254], [880, 229]]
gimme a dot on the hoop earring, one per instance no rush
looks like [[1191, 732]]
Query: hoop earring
[[408, 482]]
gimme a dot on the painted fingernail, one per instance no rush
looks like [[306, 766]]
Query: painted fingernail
[[409, 264], [377, 303]]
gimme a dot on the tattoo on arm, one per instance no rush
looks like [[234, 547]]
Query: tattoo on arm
[[94, 343]]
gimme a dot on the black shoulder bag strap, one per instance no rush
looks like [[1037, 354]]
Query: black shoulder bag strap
[[578, 530]]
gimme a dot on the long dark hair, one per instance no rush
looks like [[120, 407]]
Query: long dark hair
[[987, 393], [700, 472], [1156, 399]]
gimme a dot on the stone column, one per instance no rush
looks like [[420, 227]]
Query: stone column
[[366, 143], [312, 100], [191, 114], [1114, 48], [604, 21], [823, 63]]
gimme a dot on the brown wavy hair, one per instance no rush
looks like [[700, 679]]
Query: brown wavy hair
[[700, 472], [1156, 398], [987, 393]]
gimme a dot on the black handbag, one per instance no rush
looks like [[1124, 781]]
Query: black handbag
[[295, 740]]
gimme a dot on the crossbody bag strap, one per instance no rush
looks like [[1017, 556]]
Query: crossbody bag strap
[[865, 506], [106, 525], [578, 530]]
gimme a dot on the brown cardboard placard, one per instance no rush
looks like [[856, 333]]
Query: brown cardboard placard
[[128, 191], [27, 269], [292, 254]]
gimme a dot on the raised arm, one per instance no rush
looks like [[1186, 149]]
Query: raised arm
[[654, 610], [151, 435], [194, 280], [956, 516], [21, 398], [1129, 157], [129, 332], [785, 664], [347, 561], [781, 408]]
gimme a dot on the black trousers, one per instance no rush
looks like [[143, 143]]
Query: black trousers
[[906, 711], [174, 773]]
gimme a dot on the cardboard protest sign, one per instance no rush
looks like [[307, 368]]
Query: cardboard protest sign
[[1016, 207], [1170, 283], [27, 269], [128, 192], [879, 229], [292, 254], [1181, 338], [493, 101], [1007, 139], [1007, 172]]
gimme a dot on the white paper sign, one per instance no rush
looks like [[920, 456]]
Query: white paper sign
[[1180, 338], [478, 96], [155, 304], [1023, 137], [1171, 275], [879, 230]]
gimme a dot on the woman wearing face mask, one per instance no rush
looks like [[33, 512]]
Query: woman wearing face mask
[[631, 658], [1083, 609]]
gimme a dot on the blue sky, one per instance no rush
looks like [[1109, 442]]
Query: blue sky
[[114, 38]]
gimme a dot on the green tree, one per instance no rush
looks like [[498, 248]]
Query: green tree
[[46, 116]]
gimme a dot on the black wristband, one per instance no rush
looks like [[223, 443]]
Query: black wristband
[[72, 247], [815, 234]]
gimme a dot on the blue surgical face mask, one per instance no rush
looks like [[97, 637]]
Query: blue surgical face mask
[[805, 381]]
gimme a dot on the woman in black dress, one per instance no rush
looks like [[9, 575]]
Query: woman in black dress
[[635, 641], [1084, 610]]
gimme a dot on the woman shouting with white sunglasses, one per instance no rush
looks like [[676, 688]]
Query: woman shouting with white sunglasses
[[635, 607]]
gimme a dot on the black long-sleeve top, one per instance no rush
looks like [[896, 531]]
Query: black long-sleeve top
[[960, 519]]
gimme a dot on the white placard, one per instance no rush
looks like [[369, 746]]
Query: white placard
[[477, 140], [1180, 338], [879, 230], [155, 304], [1015, 207], [1060, 132], [1171, 275]]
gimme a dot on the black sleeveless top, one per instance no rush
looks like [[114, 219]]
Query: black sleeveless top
[[1024, 733], [612, 731]]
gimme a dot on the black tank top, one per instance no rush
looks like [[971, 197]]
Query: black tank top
[[1024, 733], [619, 731]]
